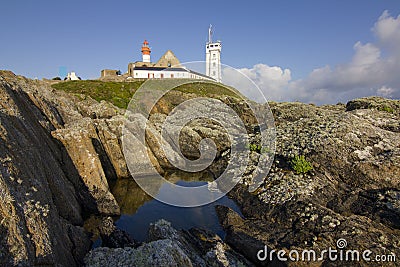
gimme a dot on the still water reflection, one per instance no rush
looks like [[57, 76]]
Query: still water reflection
[[138, 209]]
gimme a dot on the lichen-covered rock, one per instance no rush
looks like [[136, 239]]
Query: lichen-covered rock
[[157, 253], [351, 192], [113, 237], [40, 205], [58, 152], [155, 148], [80, 141], [376, 103], [203, 247], [89, 107], [47, 183], [109, 132], [170, 247], [143, 148]]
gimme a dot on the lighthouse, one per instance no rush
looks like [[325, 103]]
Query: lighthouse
[[146, 51], [213, 57]]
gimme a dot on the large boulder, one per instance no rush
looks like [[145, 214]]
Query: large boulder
[[109, 132], [80, 141]]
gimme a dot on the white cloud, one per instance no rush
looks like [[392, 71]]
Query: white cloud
[[387, 30], [271, 81], [385, 91], [365, 54], [367, 73]]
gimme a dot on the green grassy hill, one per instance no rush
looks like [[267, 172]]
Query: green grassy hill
[[120, 93]]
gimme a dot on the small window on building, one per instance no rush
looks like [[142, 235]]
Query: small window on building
[[213, 73], [214, 64], [214, 55]]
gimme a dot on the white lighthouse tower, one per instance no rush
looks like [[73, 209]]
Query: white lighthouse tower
[[146, 51], [213, 57]]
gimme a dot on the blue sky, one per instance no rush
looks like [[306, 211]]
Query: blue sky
[[86, 36]]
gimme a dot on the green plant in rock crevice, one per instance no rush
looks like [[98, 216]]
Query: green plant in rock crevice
[[258, 148], [300, 165], [386, 109]]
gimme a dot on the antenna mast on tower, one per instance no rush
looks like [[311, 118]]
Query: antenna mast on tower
[[210, 34]]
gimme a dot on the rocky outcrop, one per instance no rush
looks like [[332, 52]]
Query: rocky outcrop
[[157, 253], [375, 103], [81, 143], [57, 154], [168, 247], [40, 202], [89, 107], [352, 193], [113, 237], [109, 133]]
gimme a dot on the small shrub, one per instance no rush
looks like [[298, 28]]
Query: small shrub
[[253, 147], [386, 109], [301, 165], [258, 148], [56, 79]]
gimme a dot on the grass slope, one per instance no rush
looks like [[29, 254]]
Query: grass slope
[[120, 93]]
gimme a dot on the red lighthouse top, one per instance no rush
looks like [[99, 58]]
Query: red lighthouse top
[[145, 48]]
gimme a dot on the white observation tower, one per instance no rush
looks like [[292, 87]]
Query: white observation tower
[[213, 57]]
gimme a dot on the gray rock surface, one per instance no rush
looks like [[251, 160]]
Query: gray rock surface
[[42, 204], [113, 237], [169, 247], [157, 253], [58, 153], [55, 165], [351, 193]]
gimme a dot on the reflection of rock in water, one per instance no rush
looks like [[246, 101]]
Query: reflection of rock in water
[[103, 228], [129, 195], [92, 226], [176, 176]]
